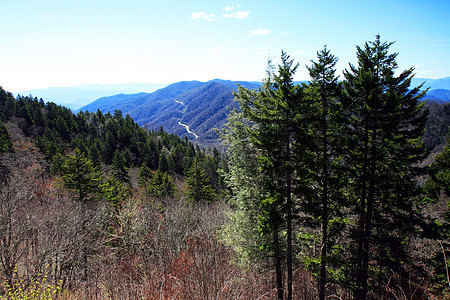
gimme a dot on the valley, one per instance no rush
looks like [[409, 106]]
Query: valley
[[184, 125]]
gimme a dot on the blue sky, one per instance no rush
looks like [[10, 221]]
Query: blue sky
[[51, 43]]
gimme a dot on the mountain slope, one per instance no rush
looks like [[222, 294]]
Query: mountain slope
[[200, 105], [432, 84], [123, 102], [438, 95], [128, 102]]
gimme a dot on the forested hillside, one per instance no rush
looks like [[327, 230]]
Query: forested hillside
[[104, 138], [331, 189], [204, 107], [329, 177], [81, 195]]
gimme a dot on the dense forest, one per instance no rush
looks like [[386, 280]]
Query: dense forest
[[332, 189]]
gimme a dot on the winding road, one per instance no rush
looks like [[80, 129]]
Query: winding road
[[185, 126]]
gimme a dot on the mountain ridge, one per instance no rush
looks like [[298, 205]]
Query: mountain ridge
[[200, 107]]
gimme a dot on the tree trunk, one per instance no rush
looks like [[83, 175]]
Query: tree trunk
[[324, 250], [289, 244], [359, 294], [277, 260], [368, 221]]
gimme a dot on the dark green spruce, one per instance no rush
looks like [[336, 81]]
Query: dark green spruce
[[386, 124], [326, 93]]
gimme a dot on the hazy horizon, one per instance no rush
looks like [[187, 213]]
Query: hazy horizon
[[58, 44]]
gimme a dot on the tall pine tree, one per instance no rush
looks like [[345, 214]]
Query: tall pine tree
[[328, 122], [386, 124], [276, 130]]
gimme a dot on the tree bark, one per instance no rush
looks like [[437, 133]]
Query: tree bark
[[324, 250], [278, 269]]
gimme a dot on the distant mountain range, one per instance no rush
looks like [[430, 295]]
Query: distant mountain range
[[188, 108], [195, 109], [77, 96], [438, 89], [432, 84]]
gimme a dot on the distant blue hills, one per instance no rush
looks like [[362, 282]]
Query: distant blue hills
[[432, 84], [78, 96], [202, 106], [438, 89]]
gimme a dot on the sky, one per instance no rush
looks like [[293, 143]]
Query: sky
[[53, 43]]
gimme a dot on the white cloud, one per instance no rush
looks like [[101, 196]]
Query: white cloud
[[232, 7], [241, 14], [203, 15], [260, 31]]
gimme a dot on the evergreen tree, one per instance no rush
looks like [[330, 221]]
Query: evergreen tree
[[115, 192], [80, 175], [325, 92], [437, 187], [5, 139], [110, 143], [120, 171], [198, 183], [439, 180], [145, 173], [386, 125], [247, 186], [95, 152], [161, 185], [6, 104], [151, 154], [163, 165], [281, 137]]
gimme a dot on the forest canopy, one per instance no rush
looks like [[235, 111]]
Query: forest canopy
[[335, 188]]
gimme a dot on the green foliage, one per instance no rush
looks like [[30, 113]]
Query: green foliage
[[5, 139], [198, 183], [386, 124], [242, 175], [161, 185], [145, 173], [57, 162], [115, 192], [273, 120], [6, 105], [56, 129], [437, 187], [439, 181], [350, 153], [80, 175], [328, 116], [50, 143], [120, 171], [163, 164]]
